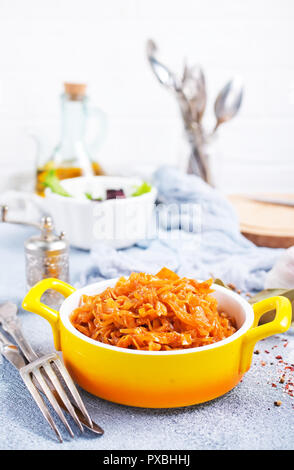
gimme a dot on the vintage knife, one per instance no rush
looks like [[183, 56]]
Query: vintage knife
[[11, 352], [11, 324]]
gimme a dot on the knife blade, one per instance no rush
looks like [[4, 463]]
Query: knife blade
[[11, 324], [13, 355], [11, 352], [277, 202]]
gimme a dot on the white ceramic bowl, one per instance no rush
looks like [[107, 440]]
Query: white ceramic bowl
[[118, 222]]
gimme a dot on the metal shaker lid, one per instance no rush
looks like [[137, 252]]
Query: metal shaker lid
[[47, 240]]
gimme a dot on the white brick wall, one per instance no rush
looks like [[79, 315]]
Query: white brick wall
[[43, 43]]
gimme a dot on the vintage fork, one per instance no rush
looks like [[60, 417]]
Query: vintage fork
[[39, 374], [34, 370]]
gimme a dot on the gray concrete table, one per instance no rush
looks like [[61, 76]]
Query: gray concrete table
[[245, 418]]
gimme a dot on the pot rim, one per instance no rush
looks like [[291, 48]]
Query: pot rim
[[101, 285]]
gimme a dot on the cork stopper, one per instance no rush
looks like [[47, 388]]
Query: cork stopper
[[75, 91]]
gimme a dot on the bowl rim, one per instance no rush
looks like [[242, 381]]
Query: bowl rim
[[64, 315], [69, 200]]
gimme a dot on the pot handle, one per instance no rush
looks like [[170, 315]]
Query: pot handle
[[280, 323], [32, 302]]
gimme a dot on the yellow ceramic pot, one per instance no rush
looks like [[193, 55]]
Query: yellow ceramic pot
[[158, 379]]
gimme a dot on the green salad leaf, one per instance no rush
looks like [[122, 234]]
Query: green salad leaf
[[142, 189], [89, 196], [51, 181]]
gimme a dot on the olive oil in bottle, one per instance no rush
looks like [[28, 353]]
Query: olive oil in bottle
[[70, 157]]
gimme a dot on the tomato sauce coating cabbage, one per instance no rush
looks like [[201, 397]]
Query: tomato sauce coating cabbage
[[159, 312]]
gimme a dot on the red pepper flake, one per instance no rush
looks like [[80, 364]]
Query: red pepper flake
[[284, 371], [288, 385]]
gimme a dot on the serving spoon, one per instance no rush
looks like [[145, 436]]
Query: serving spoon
[[167, 78], [194, 89], [163, 74], [228, 102]]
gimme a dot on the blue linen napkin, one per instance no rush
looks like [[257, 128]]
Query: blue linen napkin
[[214, 248]]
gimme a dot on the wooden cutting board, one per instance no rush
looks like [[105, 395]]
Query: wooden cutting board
[[263, 223]]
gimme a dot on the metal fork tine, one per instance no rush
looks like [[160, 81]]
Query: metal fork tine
[[55, 381], [71, 386], [43, 384], [40, 402]]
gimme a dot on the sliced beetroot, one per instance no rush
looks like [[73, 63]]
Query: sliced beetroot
[[115, 194]]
